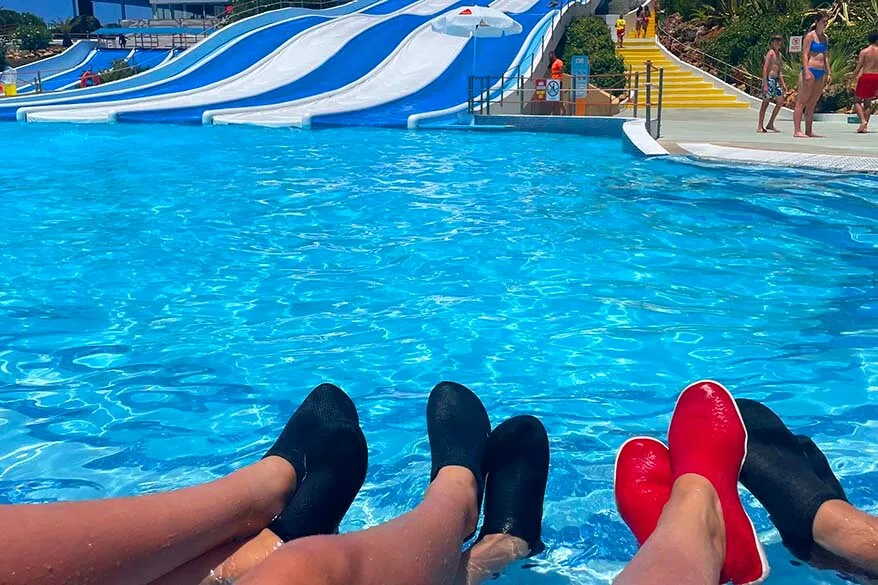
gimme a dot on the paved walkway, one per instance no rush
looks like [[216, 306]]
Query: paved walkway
[[694, 132]]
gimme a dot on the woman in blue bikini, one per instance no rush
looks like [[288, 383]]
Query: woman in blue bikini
[[814, 77]]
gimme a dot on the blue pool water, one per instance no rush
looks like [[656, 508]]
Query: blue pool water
[[168, 297]]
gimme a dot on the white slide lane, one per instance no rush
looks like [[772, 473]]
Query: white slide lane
[[422, 57], [300, 56]]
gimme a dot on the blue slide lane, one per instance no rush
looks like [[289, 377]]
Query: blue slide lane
[[188, 58], [451, 88], [149, 57], [246, 53], [103, 59], [353, 61], [69, 59]]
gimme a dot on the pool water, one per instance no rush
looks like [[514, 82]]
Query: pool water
[[169, 295]]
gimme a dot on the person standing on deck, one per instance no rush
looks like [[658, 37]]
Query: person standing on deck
[[866, 80], [773, 85]]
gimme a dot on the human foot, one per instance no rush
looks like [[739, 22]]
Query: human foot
[[337, 464], [772, 129], [517, 463], [707, 437], [799, 134], [861, 129], [326, 407], [812, 135], [458, 428], [642, 484], [760, 130], [324, 443], [787, 474]]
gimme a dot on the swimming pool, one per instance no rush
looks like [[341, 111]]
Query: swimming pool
[[168, 296]]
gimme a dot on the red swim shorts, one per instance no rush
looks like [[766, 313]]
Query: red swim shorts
[[867, 86]]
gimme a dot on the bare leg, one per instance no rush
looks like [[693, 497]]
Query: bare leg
[[760, 125], [688, 545], [131, 541], [778, 104], [811, 106], [849, 533], [225, 564], [863, 112], [802, 99], [418, 548]]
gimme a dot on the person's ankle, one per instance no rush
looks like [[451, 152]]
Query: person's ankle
[[832, 520], [700, 494], [278, 483], [461, 483]]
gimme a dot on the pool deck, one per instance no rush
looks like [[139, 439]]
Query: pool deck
[[730, 136]]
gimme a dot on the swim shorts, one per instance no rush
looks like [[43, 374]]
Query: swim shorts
[[867, 86], [774, 90]]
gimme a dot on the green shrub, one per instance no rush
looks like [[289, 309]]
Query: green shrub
[[34, 38], [3, 61], [591, 36], [850, 39], [120, 69], [747, 34], [686, 8]]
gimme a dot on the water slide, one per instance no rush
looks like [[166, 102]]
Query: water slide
[[413, 76], [381, 66], [230, 47], [79, 52], [146, 58], [99, 60], [451, 88], [329, 54]]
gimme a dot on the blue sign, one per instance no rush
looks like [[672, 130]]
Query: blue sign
[[580, 70]]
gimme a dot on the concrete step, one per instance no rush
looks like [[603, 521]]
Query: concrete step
[[669, 75], [687, 84], [698, 94], [721, 99], [695, 105]]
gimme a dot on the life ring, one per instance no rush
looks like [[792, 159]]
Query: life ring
[[89, 78]]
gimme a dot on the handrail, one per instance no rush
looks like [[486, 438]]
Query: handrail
[[723, 69], [261, 6]]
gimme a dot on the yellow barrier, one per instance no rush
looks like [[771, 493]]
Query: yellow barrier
[[10, 90]]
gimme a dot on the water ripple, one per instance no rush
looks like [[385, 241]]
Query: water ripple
[[167, 299]]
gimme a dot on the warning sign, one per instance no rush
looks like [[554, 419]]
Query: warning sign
[[553, 90], [795, 44], [540, 90]]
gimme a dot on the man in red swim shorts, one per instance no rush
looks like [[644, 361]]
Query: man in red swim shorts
[[866, 75]]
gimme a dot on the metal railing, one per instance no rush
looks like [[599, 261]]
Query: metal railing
[[731, 74], [602, 95]]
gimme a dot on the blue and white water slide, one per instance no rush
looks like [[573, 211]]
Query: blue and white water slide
[[221, 55], [307, 49], [381, 65], [428, 71]]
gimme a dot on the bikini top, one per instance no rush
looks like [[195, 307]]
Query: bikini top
[[819, 47]]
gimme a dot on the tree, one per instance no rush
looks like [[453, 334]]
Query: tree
[[11, 18], [83, 25], [34, 38], [63, 27]]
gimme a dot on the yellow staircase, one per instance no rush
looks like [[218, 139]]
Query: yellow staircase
[[682, 89]]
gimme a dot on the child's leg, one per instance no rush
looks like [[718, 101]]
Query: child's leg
[[778, 104], [762, 109]]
